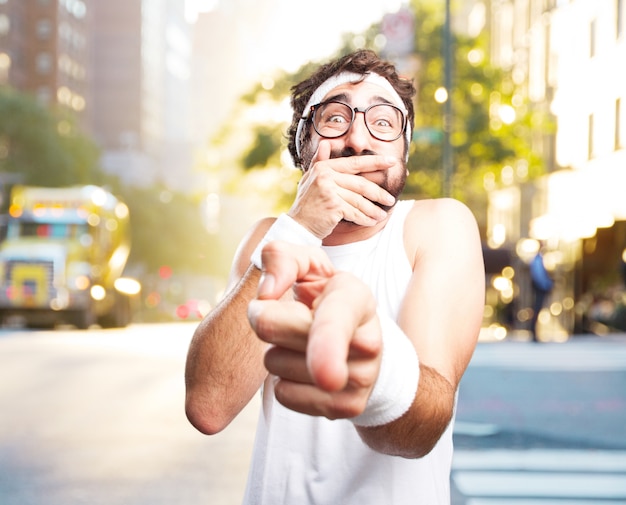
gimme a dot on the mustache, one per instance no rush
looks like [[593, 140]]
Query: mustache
[[346, 152]]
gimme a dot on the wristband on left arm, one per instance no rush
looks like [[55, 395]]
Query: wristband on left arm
[[396, 386]]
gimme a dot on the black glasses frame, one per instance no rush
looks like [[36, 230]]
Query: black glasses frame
[[354, 110]]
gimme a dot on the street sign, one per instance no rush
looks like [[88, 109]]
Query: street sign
[[399, 31], [428, 135]]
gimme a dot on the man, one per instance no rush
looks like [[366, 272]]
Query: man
[[356, 313]]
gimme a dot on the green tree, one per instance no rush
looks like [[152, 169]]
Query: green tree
[[43, 146], [485, 143], [492, 123], [265, 146], [167, 229]]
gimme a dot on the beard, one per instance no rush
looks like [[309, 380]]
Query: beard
[[393, 183]]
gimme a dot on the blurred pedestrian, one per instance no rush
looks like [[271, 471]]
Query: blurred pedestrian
[[623, 267], [542, 285], [355, 313]]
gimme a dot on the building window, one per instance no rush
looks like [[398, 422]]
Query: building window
[[44, 95], [549, 5], [77, 8], [5, 65], [590, 138], [43, 63], [5, 24], [592, 39], [44, 29], [618, 124]]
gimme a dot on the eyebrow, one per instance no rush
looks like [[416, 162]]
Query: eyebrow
[[345, 97]]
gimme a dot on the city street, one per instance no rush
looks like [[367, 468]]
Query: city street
[[543, 424], [96, 417]]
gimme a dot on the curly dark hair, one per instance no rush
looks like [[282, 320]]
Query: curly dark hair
[[363, 61]]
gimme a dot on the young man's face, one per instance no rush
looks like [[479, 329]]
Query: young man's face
[[358, 141]]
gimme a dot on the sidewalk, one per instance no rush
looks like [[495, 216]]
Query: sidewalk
[[501, 334]]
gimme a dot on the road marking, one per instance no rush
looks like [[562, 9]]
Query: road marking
[[501, 501], [547, 460], [543, 485], [540, 476], [475, 429], [574, 356]]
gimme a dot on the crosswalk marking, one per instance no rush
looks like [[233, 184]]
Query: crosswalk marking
[[475, 429], [545, 460], [551, 501], [574, 356], [540, 477], [543, 485]]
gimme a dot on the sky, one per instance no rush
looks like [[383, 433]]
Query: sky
[[278, 35], [308, 22]]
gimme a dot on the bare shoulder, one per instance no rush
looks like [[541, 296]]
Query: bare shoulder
[[431, 212], [440, 223]]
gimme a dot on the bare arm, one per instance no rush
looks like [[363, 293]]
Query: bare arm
[[328, 358], [224, 365], [225, 360], [441, 314]]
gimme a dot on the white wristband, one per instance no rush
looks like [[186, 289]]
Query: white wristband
[[285, 229], [396, 386]]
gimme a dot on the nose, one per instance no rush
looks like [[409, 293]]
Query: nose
[[358, 136]]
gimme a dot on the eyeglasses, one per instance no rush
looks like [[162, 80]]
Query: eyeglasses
[[333, 119]]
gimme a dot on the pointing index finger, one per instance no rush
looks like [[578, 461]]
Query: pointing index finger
[[328, 346], [339, 312]]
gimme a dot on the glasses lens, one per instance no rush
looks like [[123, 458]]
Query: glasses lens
[[332, 119], [384, 121]]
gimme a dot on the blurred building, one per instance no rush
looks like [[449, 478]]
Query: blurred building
[[217, 75], [45, 50], [141, 80], [230, 55], [123, 66], [567, 57]]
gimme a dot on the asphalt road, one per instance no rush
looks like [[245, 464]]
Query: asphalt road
[[543, 424], [97, 417], [557, 395]]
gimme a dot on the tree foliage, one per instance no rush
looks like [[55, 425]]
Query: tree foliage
[[265, 146], [484, 145], [43, 146], [167, 229]]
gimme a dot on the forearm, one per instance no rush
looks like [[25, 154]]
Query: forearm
[[415, 433], [224, 365]]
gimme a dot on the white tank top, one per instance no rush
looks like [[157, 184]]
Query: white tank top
[[304, 460]]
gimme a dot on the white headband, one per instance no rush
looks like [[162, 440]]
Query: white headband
[[342, 78]]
